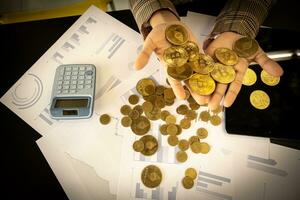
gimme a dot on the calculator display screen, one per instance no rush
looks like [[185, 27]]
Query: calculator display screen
[[71, 103]]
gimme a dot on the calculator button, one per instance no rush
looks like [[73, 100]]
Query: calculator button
[[89, 73], [61, 72], [67, 77], [68, 68], [88, 77], [80, 86], [82, 68], [73, 86], [66, 82], [80, 82], [59, 82], [66, 87], [74, 77], [59, 87], [89, 68], [88, 82], [81, 72], [75, 68], [72, 91], [58, 91], [88, 86], [75, 73], [67, 73], [60, 78], [74, 82], [81, 77], [65, 91]]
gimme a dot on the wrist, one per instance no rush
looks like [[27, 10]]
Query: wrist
[[162, 16]]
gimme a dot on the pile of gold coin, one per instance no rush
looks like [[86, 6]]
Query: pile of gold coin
[[189, 176]]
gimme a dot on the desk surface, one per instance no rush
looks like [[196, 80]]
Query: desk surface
[[26, 172]]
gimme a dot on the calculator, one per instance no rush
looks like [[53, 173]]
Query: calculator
[[73, 91]]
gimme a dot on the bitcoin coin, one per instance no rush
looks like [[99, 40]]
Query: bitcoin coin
[[183, 145], [204, 65], [215, 120], [181, 156], [193, 139], [150, 145], [169, 94], [151, 176], [226, 56], [176, 34], [218, 109], [191, 115], [126, 121], [159, 90], [223, 73], [196, 147], [185, 123], [125, 109], [138, 146], [172, 129], [175, 56], [160, 102], [134, 114], [154, 114], [204, 147], [182, 109], [268, 79], [145, 87], [191, 172], [140, 126], [249, 77], [192, 49], [173, 140], [138, 108], [171, 119], [202, 84], [179, 129], [187, 182], [164, 114], [202, 133], [147, 106], [104, 119], [163, 129], [259, 99], [245, 47], [180, 73], [204, 116], [194, 106], [133, 99]]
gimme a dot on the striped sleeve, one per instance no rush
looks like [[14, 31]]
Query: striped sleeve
[[142, 11], [242, 16]]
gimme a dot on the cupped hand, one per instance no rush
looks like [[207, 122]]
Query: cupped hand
[[156, 42], [230, 92]]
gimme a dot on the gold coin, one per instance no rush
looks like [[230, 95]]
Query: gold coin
[[218, 109], [223, 73], [196, 147], [140, 126], [205, 148], [185, 123], [151, 176], [147, 106], [171, 119], [104, 119], [191, 115], [194, 106], [181, 156], [193, 139], [182, 109], [125, 109], [145, 86], [160, 102], [215, 120], [191, 172], [245, 47], [172, 129], [202, 133], [202, 84], [268, 79], [126, 121], [138, 108], [134, 114], [192, 49], [163, 129], [175, 56], [138, 146], [226, 56], [164, 114], [187, 182], [169, 94], [150, 145], [180, 73], [176, 34], [133, 99], [204, 116], [183, 145], [259, 99], [154, 114], [173, 140], [159, 90], [179, 129], [204, 65], [249, 78]]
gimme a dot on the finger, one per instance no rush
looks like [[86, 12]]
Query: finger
[[177, 88], [217, 96], [268, 64], [145, 54], [234, 89], [200, 99]]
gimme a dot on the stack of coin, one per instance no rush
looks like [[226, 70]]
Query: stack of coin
[[190, 176], [147, 145]]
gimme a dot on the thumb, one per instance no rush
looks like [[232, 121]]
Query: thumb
[[145, 54], [269, 65]]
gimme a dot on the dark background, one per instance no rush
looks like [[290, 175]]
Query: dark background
[[24, 171]]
